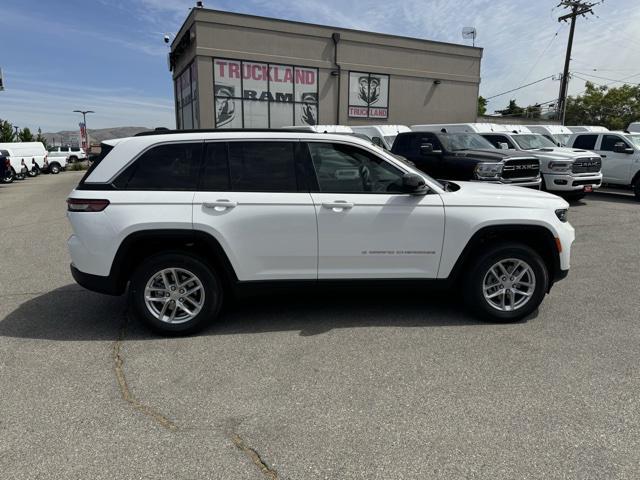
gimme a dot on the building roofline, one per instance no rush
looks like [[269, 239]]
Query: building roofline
[[193, 13]]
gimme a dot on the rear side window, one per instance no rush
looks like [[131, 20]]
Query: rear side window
[[587, 142], [215, 168], [164, 167], [262, 167]]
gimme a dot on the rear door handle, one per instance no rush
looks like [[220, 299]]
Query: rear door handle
[[338, 205], [220, 205]]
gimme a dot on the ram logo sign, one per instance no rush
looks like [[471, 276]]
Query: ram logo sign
[[368, 95]]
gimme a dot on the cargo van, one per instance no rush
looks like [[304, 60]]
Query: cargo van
[[634, 127], [33, 155], [381, 135], [321, 128], [587, 128], [558, 134], [471, 127]]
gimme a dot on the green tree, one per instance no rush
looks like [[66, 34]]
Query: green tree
[[512, 110], [41, 138], [6, 131], [482, 105], [613, 108], [25, 135]]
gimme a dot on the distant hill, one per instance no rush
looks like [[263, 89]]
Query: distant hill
[[97, 135]]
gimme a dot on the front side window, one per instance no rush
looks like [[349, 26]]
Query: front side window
[[164, 167], [609, 142], [262, 166], [635, 139], [347, 169], [587, 142]]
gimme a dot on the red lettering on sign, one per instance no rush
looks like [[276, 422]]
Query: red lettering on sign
[[255, 72], [288, 75], [265, 71], [221, 65], [234, 70]]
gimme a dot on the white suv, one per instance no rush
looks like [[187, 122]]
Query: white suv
[[186, 219]]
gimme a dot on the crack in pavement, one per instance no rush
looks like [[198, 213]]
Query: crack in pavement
[[118, 366], [268, 472]]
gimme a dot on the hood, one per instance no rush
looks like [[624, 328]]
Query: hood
[[562, 153], [480, 194], [494, 155]]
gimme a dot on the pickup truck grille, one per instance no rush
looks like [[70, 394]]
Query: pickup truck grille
[[521, 168], [587, 165]]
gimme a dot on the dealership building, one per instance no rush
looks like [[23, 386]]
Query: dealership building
[[242, 71]]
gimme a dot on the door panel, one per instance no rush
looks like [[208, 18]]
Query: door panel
[[379, 235], [267, 236], [616, 167]]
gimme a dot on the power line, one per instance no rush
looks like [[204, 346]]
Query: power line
[[519, 88], [555, 35], [601, 78]]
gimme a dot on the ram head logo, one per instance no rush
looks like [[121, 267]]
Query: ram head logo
[[369, 91]]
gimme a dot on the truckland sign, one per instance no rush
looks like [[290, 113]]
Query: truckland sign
[[264, 95], [368, 95]]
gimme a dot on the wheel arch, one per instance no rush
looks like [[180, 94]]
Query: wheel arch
[[537, 237], [140, 245]]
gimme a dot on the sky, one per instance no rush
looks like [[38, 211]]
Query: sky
[[109, 55]]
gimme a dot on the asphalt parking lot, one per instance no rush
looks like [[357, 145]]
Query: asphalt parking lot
[[402, 386]]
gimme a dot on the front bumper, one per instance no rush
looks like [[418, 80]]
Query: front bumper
[[536, 183], [566, 182]]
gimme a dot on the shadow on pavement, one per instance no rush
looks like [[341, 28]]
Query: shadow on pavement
[[73, 314]]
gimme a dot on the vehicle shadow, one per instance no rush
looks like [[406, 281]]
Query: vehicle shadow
[[614, 197], [73, 314]]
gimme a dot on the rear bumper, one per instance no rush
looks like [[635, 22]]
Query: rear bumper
[[96, 283]]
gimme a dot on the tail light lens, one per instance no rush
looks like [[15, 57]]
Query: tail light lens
[[86, 205]]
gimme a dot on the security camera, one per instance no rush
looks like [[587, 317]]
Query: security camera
[[166, 39], [199, 4]]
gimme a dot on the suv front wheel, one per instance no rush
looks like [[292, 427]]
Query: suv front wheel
[[175, 293], [507, 283]]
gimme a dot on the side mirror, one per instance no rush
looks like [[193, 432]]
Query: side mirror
[[378, 141], [414, 184], [621, 147], [426, 148]]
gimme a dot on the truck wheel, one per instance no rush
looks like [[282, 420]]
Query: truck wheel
[[72, 159], [636, 189], [506, 283], [33, 172], [175, 293], [9, 175], [18, 176], [54, 168]]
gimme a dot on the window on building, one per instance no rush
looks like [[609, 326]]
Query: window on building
[[368, 95], [164, 167], [186, 87], [264, 95], [345, 169], [588, 142], [262, 166]]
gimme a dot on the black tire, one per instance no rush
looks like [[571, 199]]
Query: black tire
[[72, 159], [636, 189], [574, 197], [473, 285], [211, 286], [54, 168], [9, 176], [18, 176], [33, 172]]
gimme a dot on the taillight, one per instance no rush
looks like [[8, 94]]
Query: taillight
[[86, 205]]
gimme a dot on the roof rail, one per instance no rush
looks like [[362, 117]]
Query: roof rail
[[167, 131]]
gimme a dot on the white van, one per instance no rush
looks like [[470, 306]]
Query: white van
[[634, 127], [471, 127], [381, 135], [558, 134], [31, 154], [587, 128], [321, 128]]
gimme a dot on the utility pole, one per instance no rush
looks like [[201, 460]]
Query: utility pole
[[577, 7]]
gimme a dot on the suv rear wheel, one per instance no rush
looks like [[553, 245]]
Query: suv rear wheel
[[175, 293], [507, 283], [636, 188], [54, 168]]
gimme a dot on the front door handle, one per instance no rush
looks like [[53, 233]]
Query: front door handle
[[220, 205], [338, 205]]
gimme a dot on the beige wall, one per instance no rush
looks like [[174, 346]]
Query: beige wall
[[412, 64]]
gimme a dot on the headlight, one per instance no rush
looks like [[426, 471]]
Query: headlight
[[488, 170], [562, 214], [560, 166]]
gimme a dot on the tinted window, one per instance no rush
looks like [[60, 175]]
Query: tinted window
[[609, 141], [165, 167], [409, 144], [262, 166], [75, 149], [588, 142], [215, 168], [496, 140], [346, 169]]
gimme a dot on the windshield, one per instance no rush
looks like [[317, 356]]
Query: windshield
[[465, 141], [635, 139], [562, 138], [530, 142]]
